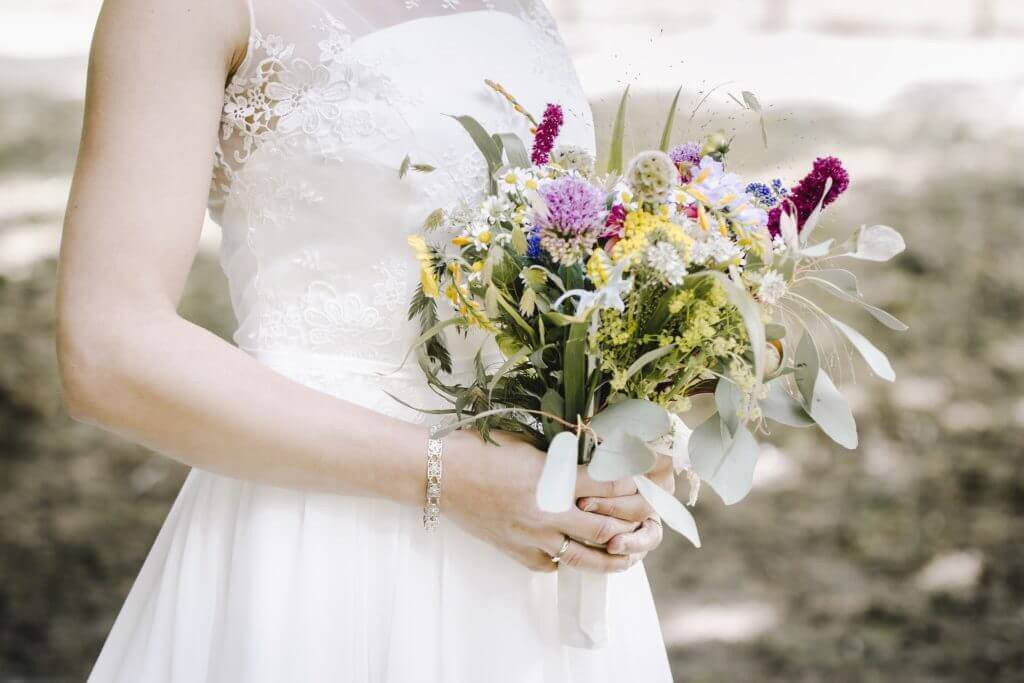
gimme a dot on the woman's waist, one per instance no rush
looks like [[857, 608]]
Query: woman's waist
[[407, 369]]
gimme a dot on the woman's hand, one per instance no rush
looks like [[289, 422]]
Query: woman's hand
[[491, 492], [634, 508]]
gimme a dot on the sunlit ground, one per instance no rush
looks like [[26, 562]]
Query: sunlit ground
[[898, 562]]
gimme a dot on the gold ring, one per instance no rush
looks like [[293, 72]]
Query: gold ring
[[557, 557], [656, 521]]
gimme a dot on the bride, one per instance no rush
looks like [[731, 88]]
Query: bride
[[296, 549]]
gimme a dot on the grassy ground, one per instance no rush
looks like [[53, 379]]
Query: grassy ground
[[821, 574]]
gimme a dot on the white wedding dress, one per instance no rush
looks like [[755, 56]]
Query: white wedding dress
[[255, 584]]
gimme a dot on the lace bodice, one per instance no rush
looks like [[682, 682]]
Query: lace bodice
[[330, 99]]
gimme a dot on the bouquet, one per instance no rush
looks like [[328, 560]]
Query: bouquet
[[615, 297]]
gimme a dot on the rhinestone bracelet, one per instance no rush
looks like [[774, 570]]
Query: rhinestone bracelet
[[432, 508]]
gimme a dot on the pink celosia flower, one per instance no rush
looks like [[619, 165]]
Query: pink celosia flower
[[808, 192], [547, 132]]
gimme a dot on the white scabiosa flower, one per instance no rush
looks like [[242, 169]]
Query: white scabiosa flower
[[574, 158], [665, 258], [772, 287], [652, 175], [716, 249]]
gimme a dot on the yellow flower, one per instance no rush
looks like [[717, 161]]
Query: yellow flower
[[599, 266], [641, 230], [428, 279]]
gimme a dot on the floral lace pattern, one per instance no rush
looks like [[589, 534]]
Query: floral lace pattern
[[311, 96]]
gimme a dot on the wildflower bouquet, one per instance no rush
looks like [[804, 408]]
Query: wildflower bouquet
[[615, 297]]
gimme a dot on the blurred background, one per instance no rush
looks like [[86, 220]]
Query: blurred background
[[901, 561]]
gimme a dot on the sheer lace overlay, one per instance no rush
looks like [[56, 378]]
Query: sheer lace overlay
[[330, 99]]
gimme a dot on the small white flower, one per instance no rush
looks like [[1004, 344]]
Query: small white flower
[[607, 296], [574, 158], [715, 248], [778, 245], [513, 179], [665, 258], [492, 209], [772, 287]]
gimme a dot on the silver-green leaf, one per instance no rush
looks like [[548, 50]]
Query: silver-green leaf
[[643, 419], [778, 405], [832, 413], [671, 511], [727, 465], [620, 455], [872, 355], [556, 488]]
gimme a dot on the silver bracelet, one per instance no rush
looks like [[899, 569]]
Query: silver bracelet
[[432, 508]]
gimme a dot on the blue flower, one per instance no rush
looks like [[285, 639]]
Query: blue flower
[[762, 195], [533, 249]]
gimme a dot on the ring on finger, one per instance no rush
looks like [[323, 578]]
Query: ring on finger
[[557, 557], [656, 521]]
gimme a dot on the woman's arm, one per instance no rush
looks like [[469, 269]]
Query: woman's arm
[[131, 364]]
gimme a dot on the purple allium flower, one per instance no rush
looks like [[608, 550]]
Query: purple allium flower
[[808, 192], [547, 131], [685, 156], [573, 220], [688, 152]]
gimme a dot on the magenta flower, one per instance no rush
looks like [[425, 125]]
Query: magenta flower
[[547, 132], [615, 221], [573, 219], [808, 192]]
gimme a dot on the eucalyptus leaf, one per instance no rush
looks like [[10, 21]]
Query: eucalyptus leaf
[[778, 405], [832, 413], [726, 465], [727, 399], [404, 167], [841, 278], [669, 509], [644, 419], [670, 122], [620, 455], [876, 360], [817, 250], [556, 489], [806, 370], [884, 317], [878, 243], [617, 143]]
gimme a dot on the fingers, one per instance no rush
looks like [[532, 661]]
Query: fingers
[[642, 541], [583, 558], [630, 508], [585, 486], [591, 528]]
